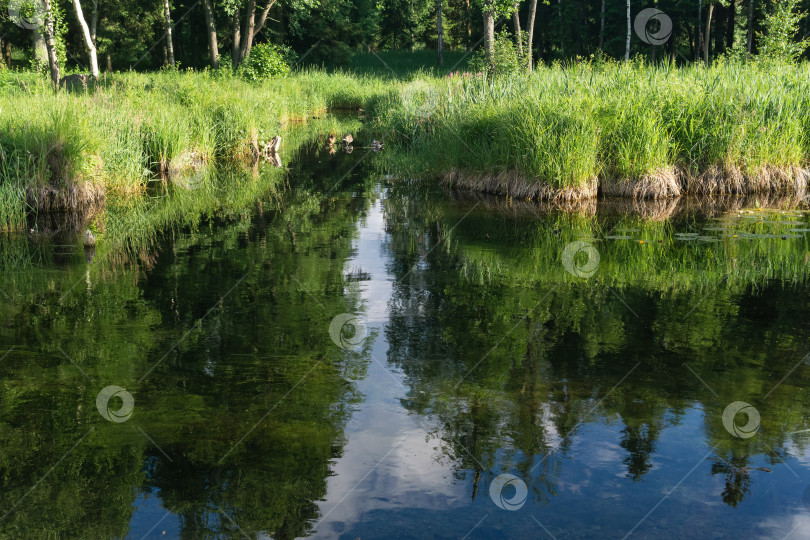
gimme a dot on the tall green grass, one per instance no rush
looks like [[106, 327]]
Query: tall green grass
[[564, 127], [128, 131], [612, 121]]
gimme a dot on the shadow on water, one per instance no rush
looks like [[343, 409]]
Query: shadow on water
[[491, 350]]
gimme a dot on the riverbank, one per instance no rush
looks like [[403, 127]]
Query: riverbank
[[135, 133], [561, 134], [624, 130]]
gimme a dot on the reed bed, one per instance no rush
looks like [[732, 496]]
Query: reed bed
[[564, 133], [60, 151], [632, 129]]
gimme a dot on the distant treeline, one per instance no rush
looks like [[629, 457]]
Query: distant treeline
[[149, 34]]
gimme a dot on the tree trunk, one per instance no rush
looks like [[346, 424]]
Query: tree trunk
[[468, 21], [235, 50], [699, 32], [581, 23], [88, 39], [440, 29], [518, 33], [94, 21], [629, 26], [50, 44], [211, 25], [167, 15], [109, 63], [730, 25], [562, 37], [750, 36], [692, 42], [707, 38], [602, 27], [247, 34], [489, 36], [530, 30], [40, 47], [7, 52]]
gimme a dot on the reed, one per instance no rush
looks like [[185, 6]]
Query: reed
[[644, 132], [562, 133]]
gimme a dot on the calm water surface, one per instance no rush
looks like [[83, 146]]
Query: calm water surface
[[603, 396]]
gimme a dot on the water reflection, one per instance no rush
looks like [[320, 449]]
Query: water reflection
[[522, 369], [484, 356]]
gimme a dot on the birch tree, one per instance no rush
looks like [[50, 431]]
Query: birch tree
[[167, 17], [629, 29], [50, 44], [89, 42], [530, 31]]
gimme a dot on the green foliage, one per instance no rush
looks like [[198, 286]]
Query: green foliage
[[778, 41], [265, 62], [506, 59]]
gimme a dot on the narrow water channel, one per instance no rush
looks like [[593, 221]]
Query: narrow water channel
[[482, 380]]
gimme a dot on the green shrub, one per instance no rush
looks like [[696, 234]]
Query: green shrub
[[506, 60], [265, 62], [782, 25]]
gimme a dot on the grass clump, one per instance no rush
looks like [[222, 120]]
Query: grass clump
[[647, 132], [62, 150]]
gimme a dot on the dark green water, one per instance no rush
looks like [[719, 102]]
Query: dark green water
[[603, 396]]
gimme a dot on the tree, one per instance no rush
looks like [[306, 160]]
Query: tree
[[89, 40], [489, 31], [629, 29], [50, 43], [167, 16], [490, 9], [211, 27], [707, 39], [397, 24], [602, 26], [530, 31], [518, 33], [440, 30], [246, 30], [40, 47], [778, 41], [750, 30], [699, 31]]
